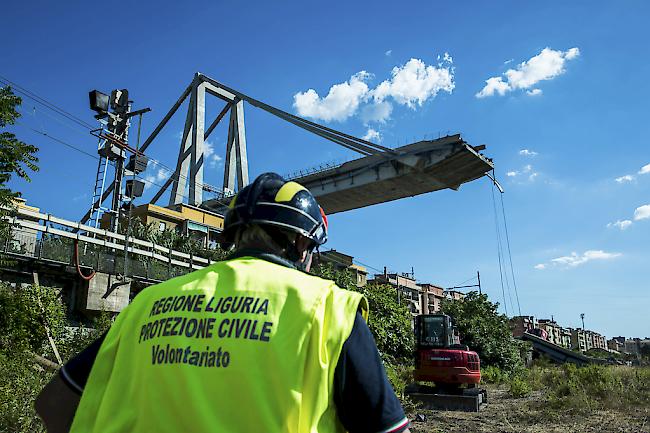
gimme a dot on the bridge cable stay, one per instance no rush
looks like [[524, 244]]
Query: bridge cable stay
[[496, 225], [338, 137], [347, 141], [512, 271]]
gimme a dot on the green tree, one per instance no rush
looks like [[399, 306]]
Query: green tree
[[484, 330], [389, 322], [27, 359], [16, 157]]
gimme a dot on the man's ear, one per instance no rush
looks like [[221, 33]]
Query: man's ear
[[302, 246]]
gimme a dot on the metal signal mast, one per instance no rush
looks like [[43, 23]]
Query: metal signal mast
[[112, 148]]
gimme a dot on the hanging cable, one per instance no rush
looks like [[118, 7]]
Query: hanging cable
[[466, 281], [503, 255], [512, 271], [78, 265], [496, 225]]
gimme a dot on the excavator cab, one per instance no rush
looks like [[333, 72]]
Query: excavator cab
[[439, 357]]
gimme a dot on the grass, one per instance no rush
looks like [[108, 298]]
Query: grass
[[578, 389]]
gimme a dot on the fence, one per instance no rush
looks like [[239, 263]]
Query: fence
[[47, 238]]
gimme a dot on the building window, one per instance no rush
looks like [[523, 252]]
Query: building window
[[162, 226]]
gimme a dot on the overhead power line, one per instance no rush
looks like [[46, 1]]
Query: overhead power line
[[50, 105], [95, 157], [86, 128]]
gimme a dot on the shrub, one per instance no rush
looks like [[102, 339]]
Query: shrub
[[493, 375], [485, 331], [23, 339], [519, 387]]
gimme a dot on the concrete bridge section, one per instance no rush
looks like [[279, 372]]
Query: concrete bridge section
[[406, 171], [410, 170], [557, 353]]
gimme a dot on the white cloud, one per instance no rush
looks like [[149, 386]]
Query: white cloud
[[411, 84], [415, 82], [534, 92], [388, 53], [572, 53], [372, 135], [493, 85], [573, 260], [376, 112], [540, 266], [626, 178], [156, 178], [210, 156], [546, 65], [642, 212], [621, 224], [526, 152], [508, 61], [645, 169], [342, 100], [526, 169]]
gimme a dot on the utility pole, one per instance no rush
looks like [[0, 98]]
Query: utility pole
[[582, 316], [478, 276]]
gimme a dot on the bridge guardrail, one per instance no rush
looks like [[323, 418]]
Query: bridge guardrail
[[51, 239]]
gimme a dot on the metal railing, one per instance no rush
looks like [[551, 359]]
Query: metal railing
[[47, 238]]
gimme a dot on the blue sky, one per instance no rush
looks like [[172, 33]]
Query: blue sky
[[575, 98]]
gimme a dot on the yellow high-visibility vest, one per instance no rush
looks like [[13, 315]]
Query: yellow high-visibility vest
[[244, 345]]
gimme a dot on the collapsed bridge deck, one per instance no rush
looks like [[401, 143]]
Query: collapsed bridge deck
[[407, 171], [413, 169]]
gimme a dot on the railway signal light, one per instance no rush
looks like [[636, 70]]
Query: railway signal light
[[120, 101], [134, 188], [98, 101]]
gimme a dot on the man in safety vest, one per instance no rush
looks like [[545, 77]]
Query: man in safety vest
[[247, 344]]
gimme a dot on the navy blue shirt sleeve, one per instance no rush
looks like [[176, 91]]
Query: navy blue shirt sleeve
[[365, 400], [76, 371]]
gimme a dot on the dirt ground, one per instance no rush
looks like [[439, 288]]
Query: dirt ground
[[504, 414]]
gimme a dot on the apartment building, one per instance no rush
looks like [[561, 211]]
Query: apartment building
[[408, 291], [523, 324], [202, 225], [584, 340], [454, 294], [556, 334], [579, 340], [431, 296], [597, 341], [616, 344], [341, 261]]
